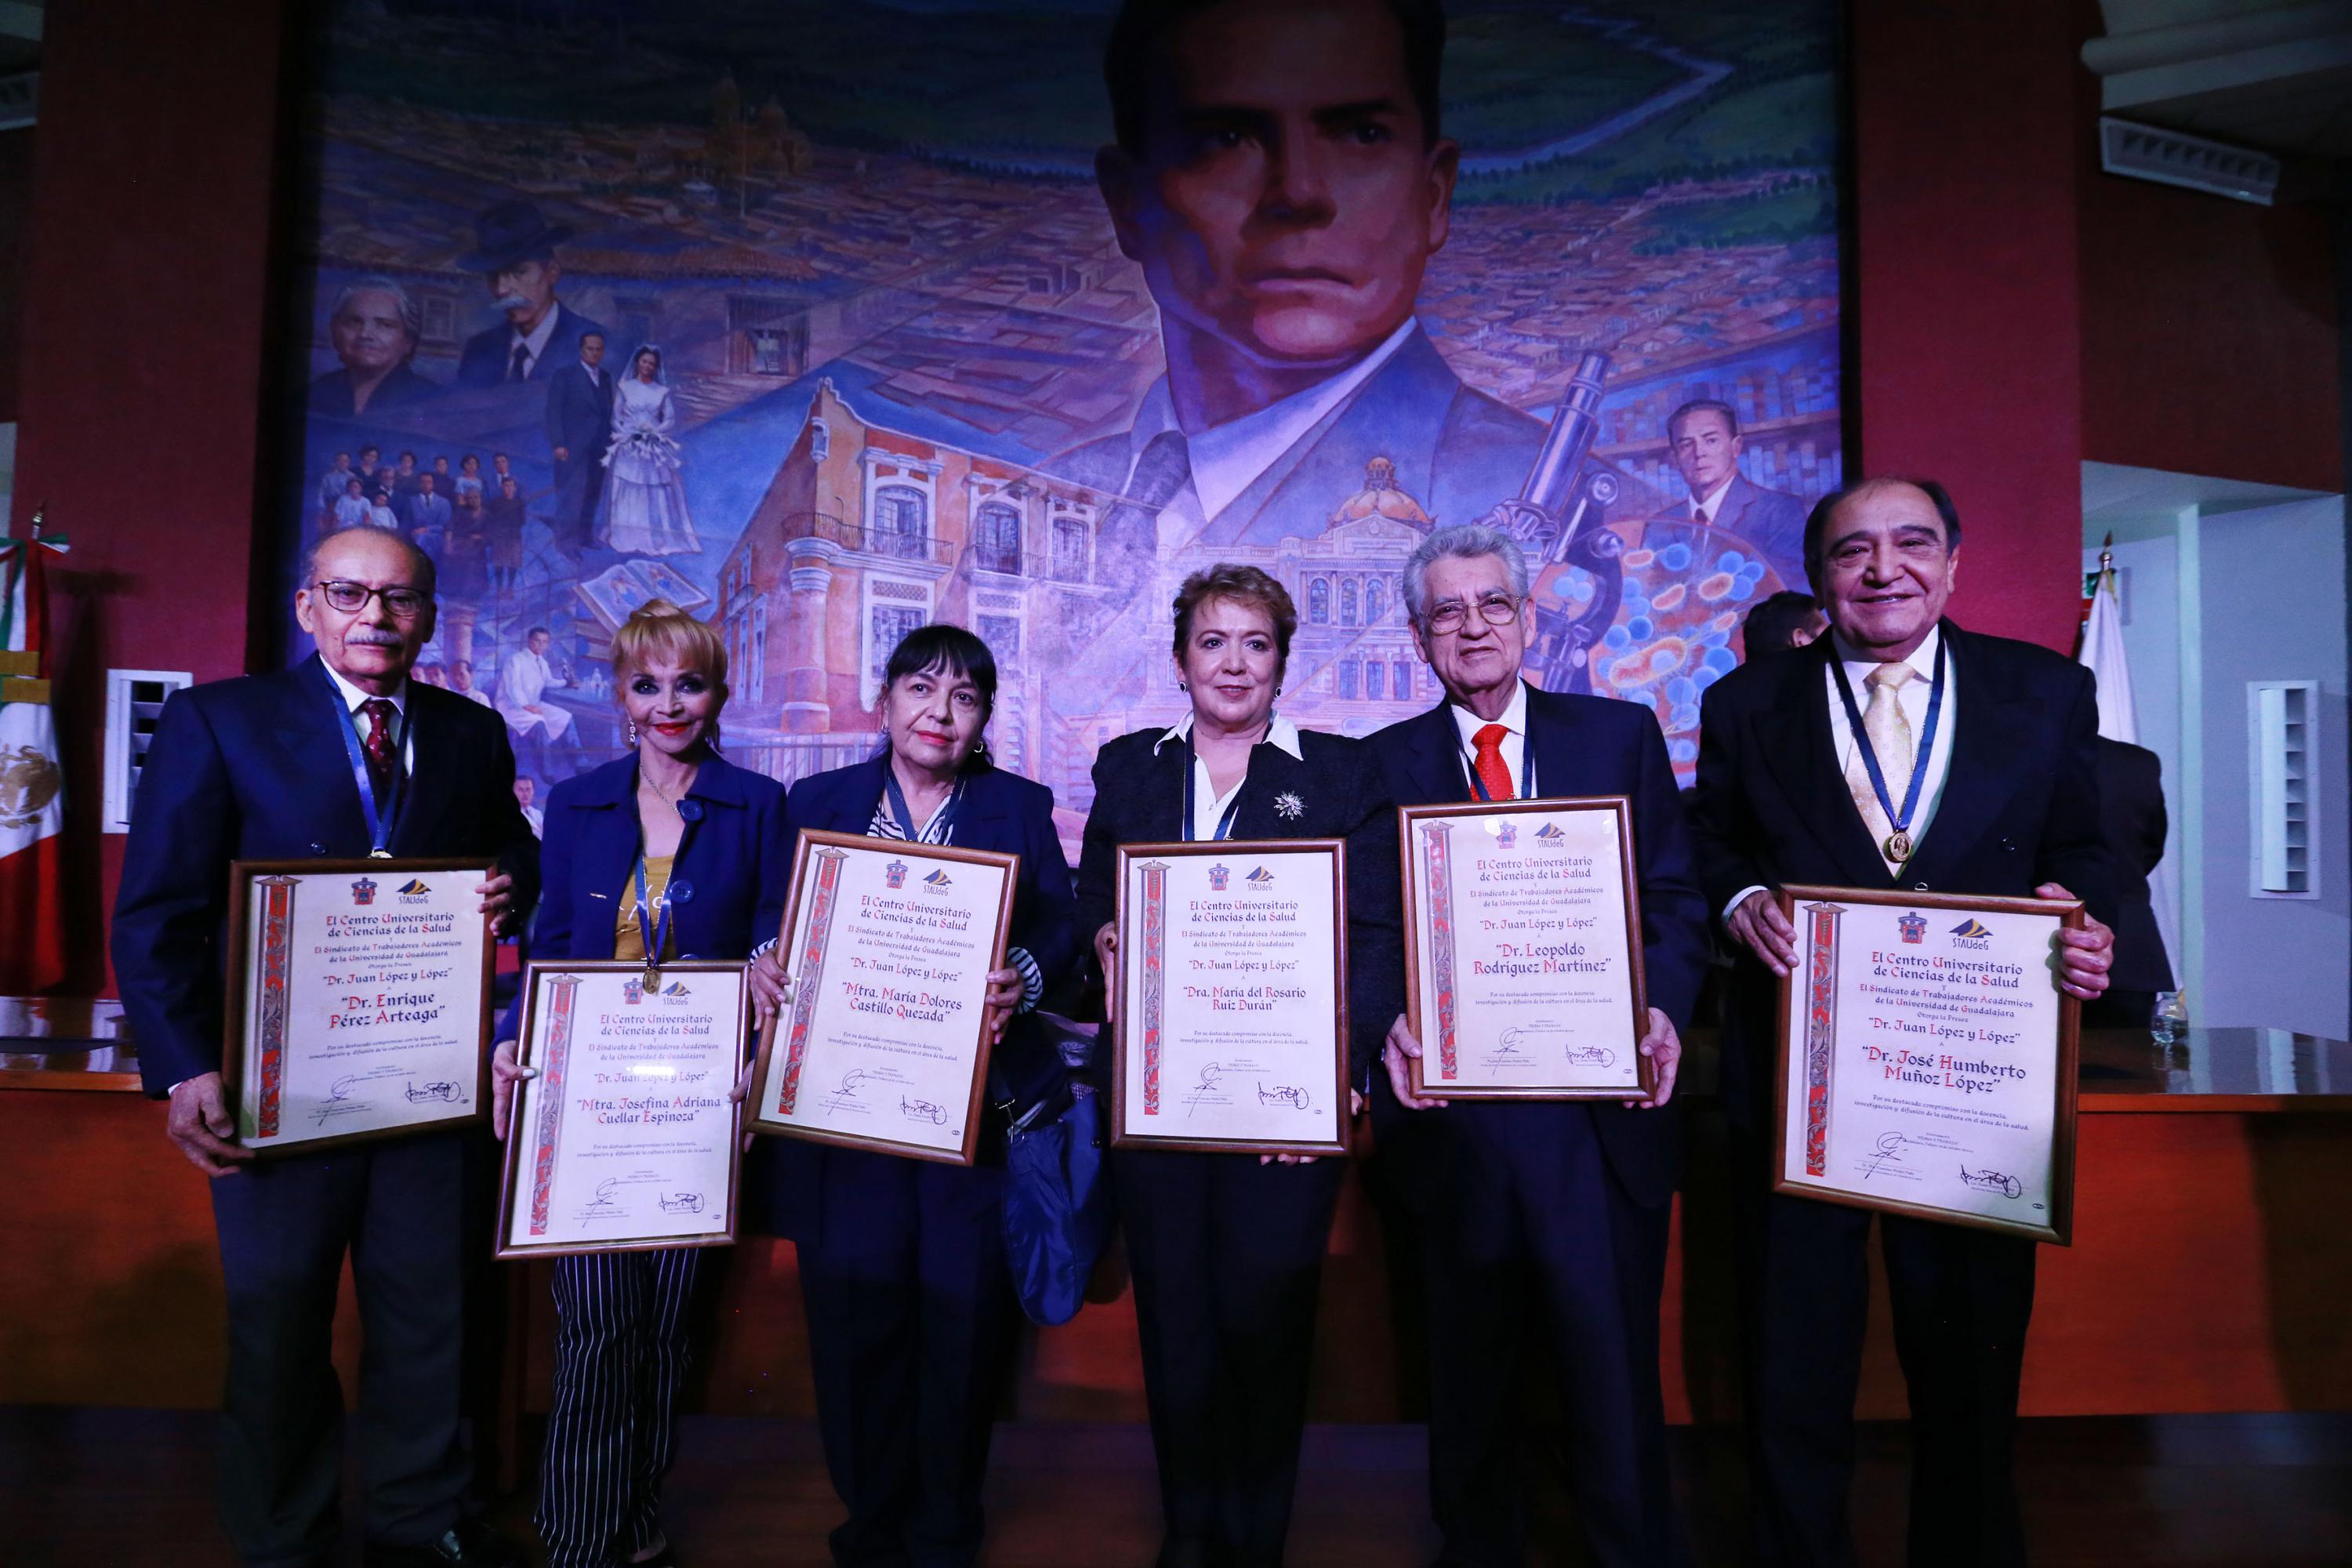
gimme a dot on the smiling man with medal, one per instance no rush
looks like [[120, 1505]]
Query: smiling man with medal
[[1898, 756], [341, 759]]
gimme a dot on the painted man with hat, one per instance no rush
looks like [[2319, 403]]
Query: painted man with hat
[[515, 253]]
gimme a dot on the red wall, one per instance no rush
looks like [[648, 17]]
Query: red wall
[[1964, 211], [2210, 332], [143, 334], [16, 202]]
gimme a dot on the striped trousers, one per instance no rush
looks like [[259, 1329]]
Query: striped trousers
[[622, 1353]]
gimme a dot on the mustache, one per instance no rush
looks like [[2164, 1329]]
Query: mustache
[[513, 302], [364, 636]]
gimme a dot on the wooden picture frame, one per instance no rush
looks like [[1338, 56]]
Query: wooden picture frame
[[1825, 906], [1133, 1036], [825, 858], [261, 1014], [1436, 924]]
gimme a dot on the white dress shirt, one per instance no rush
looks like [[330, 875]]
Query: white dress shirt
[[1513, 717], [533, 342], [1208, 807], [1706, 508], [354, 699], [1913, 696], [1228, 459]]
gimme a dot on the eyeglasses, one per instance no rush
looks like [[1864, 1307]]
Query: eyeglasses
[[406, 604], [1496, 610]]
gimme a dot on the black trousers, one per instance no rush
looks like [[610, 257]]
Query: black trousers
[[910, 1318], [1227, 1256], [1528, 1238], [622, 1348], [284, 1226], [1962, 1298]]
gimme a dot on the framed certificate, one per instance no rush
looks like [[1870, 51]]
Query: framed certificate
[[358, 1000], [1233, 998], [1927, 1062], [886, 1043], [1525, 980], [627, 1137]]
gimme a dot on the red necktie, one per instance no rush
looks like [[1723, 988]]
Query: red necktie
[[1487, 763], [381, 760]]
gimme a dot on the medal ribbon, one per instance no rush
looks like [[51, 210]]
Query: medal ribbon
[[652, 929], [1901, 825], [1233, 808], [380, 824]]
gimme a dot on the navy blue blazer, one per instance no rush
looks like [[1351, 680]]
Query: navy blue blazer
[[483, 361], [1587, 746], [1140, 799], [255, 769], [726, 882], [1001, 811], [2020, 806]]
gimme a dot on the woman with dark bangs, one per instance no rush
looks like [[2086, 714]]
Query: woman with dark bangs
[[902, 1267]]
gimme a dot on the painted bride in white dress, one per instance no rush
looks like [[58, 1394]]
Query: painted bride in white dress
[[644, 500]]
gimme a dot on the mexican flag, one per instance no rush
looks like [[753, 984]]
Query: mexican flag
[[32, 793]]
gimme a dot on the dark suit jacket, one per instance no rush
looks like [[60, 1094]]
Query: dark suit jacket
[[727, 884], [2020, 806], [1140, 799], [484, 361], [1001, 811], [580, 412], [1771, 521], [1589, 746], [333, 394], [255, 769], [1457, 452], [2131, 816]]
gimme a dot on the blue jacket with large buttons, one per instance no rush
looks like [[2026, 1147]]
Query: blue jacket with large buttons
[[727, 883]]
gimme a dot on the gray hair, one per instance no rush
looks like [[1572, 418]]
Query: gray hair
[[420, 565], [411, 315], [1463, 542]]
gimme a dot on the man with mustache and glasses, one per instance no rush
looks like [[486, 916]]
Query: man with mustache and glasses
[[515, 254], [259, 768], [1825, 765], [1280, 177]]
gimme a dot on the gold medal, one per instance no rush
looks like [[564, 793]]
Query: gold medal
[[1898, 846], [653, 980]]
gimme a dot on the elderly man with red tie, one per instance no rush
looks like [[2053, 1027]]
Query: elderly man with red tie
[[1542, 1219]]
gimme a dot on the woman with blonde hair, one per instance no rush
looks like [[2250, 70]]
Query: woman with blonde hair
[[668, 852]]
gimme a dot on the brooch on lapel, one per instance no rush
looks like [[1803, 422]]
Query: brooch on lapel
[[1288, 807]]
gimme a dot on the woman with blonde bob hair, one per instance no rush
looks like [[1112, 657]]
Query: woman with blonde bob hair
[[668, 852]]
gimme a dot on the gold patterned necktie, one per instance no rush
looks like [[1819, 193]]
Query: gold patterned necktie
[[1889, 734]]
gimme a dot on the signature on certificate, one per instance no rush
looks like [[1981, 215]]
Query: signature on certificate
[[921, 1110], [1207, 1088], [1887, 1151], [681, 1203], [604, 1202], [1284, 1094], [445, 1091], [1992, 1182], [850, 1080]]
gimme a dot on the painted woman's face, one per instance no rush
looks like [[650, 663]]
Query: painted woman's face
[[648, 365]]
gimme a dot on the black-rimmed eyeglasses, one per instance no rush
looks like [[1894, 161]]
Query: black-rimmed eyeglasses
[[406, 604]]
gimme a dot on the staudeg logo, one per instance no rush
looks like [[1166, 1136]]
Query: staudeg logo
[[1972, 929]]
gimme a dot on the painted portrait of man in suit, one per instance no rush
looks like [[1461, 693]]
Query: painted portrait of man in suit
[[514, 254], [1281, 176]]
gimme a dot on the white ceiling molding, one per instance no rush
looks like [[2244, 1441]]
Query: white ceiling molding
[[2174, 158], [2275, 76]]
